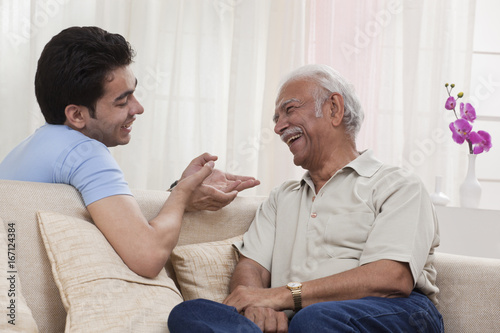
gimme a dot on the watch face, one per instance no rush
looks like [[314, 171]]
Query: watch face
[[294, 284]]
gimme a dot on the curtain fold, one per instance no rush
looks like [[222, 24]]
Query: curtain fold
[[438, 40], [208, 73]]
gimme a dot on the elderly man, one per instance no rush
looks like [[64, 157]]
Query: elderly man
[[348, 248]]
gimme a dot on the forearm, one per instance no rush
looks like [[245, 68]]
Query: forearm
[[248, 273], [166, 226], [249, 286], [384, 278]]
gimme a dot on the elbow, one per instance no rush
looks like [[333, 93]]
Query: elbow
[[149, 266], [149, 273], [402, 283], [403, 291], [396, 289], [396, 279]]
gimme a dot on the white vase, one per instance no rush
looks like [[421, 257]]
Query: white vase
[[438, 197], [470, 190]]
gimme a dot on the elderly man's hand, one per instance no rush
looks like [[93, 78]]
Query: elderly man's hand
[[219, 189], [267, 319]]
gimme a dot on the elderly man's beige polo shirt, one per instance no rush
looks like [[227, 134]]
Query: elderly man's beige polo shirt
[[366, 212]]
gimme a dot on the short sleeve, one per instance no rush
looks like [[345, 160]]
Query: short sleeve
[[92, 170], [405, 226], [258, 241]]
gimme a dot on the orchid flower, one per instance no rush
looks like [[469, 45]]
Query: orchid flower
[[468, 112], [481, 141], [461, 128], [450, 103]]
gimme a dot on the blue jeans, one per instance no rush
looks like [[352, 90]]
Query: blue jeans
[[415, 313]]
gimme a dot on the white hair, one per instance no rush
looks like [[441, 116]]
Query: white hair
[[329, 81]]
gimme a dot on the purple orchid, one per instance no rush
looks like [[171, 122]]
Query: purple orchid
[[468, 112], [481, 141], [460, 129], [450, 103]]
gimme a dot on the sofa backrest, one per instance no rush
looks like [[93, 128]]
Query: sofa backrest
[[468, 293], [20, 201]]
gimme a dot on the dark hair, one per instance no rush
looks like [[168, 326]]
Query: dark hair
[[73, 67]]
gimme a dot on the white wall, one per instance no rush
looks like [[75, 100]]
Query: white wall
[[485, 95]]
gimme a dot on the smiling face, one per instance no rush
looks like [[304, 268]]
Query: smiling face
[[308, 136], [116, 110]]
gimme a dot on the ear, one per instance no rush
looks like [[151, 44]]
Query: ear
[[75, 116], [336, 109]]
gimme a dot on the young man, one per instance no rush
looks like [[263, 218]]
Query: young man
[[349, 248], [85, 88]]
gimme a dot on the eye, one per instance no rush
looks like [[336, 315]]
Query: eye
[[123, 104]]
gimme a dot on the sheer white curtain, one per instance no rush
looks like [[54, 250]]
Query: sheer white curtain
[[399, 55], [208, 71]]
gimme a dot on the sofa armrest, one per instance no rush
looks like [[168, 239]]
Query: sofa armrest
[[469, 297]]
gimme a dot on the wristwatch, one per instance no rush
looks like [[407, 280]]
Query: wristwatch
[[296, 289], [172, 186]]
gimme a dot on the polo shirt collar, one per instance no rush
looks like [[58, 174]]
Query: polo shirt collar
[[366, 165]]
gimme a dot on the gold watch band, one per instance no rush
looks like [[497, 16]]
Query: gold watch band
[[296, 290], [297, 298]]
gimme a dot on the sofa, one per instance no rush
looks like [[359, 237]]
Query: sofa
[[66, 277]]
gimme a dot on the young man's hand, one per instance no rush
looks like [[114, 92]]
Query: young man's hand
[[218, 189]]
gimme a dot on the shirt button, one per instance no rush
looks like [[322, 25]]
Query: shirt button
[[313, 215], [314, 198]]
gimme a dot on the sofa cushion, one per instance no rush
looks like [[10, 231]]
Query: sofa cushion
[[204, 270], [17, 314], [468, 292], [99, 292]]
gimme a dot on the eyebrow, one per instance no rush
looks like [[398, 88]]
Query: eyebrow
[[288, 101], [126, 93]]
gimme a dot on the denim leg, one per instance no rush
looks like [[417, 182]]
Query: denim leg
[[204, 316], [371, 314]]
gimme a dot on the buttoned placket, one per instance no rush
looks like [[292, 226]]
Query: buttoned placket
[[314, 214]]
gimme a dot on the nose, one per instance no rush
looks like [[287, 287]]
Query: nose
[[280, 126], [137, 107]]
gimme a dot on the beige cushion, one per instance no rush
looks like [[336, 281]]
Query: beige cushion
[[16, 315], [99, 292], [204, 270]]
